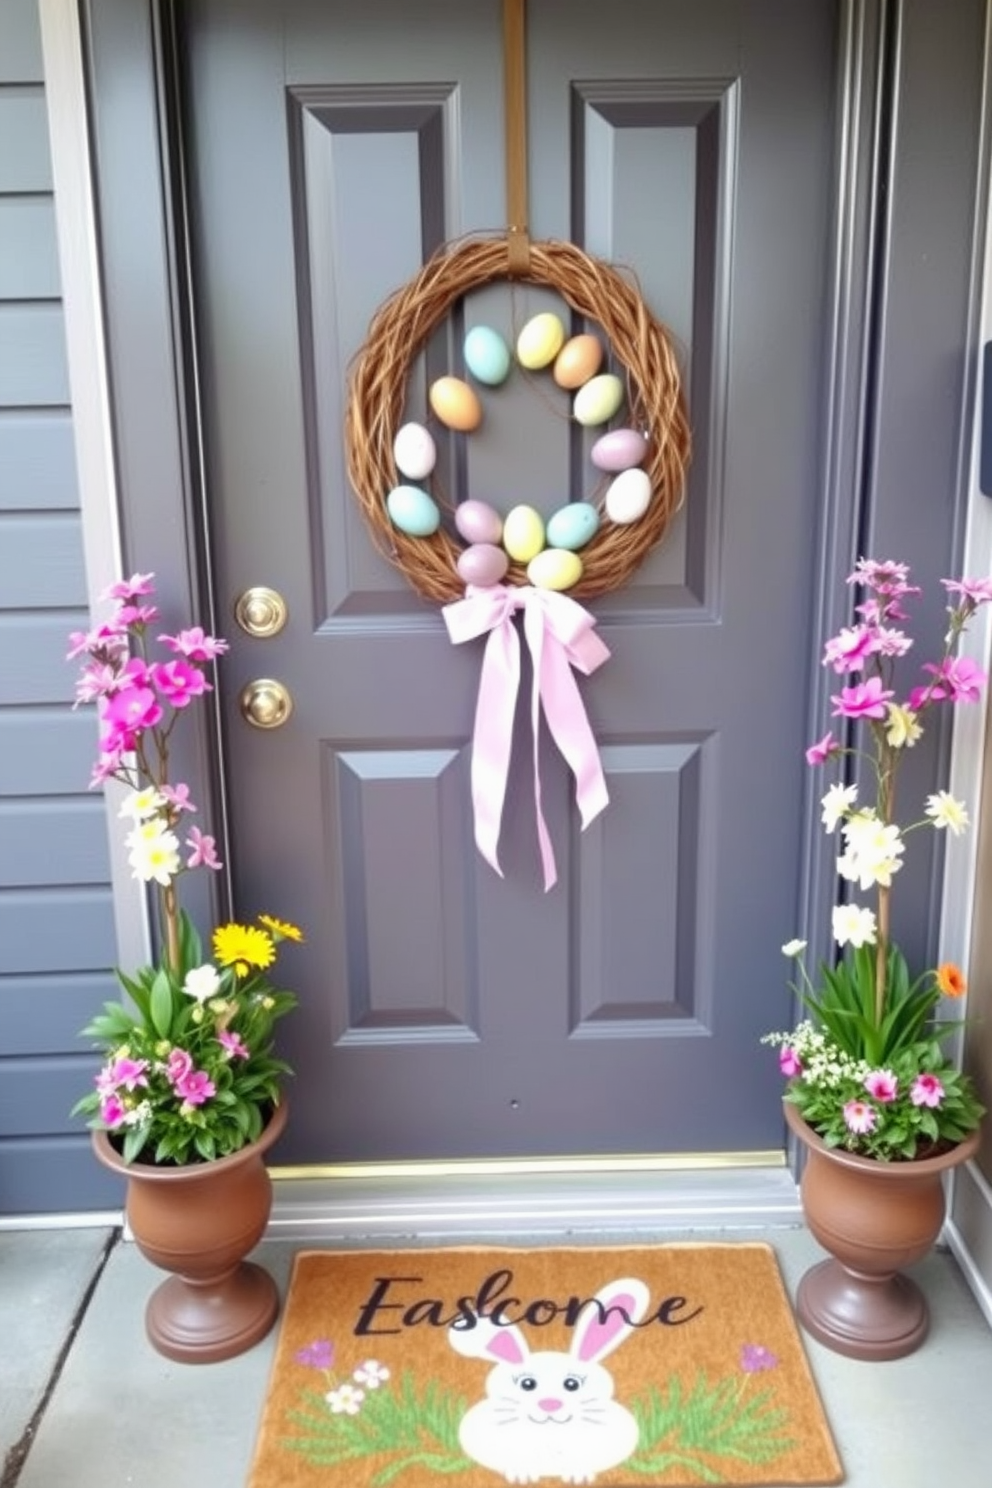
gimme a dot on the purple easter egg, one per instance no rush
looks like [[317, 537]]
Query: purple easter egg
[[619, 450], [482, 564], [478, 522]]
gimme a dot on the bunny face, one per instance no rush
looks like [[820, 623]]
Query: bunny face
[[549, 1414]]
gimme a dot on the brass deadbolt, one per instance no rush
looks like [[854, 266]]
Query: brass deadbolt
[[265, 704], [261, 612]]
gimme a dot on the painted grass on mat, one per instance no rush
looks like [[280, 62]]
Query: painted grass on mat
[[711, 1386]]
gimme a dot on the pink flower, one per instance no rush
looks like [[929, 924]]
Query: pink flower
[[819, 753], [126, 713], [195, 1088], [204, 850], [127, 1072], [178, 1066], [179, 682], [105, 641], [848, 651], [977, 591], [867, 700], [136, 614], [133, 588], [96, 681], [883, 1085], [112, 1111], [789, 1062], [106, 767], [860, 1118], [927, 1091], [195, 645], [178, 796], [958, 678], [233, 1044]]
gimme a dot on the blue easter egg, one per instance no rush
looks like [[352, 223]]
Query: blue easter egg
[[487, 355], [573, 525], [413, 511]]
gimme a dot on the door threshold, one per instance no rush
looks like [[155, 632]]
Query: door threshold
[[454, 1204]]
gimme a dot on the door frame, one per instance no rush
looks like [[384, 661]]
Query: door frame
[[134, 385]]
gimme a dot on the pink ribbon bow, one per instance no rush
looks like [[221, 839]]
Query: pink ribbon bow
[[559, 635]]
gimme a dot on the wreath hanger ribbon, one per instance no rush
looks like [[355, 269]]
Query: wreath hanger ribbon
[[560, 636]]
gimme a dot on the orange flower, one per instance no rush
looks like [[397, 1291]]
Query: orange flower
[[951, 980]]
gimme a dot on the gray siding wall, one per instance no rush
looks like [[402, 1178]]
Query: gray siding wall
[[56, 923]]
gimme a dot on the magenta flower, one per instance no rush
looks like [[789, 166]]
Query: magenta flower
[[127, 1072], [867, 700], [195, 645], [233, 1044], [755, 1358], [126, 713], [848, 651], [112, 1111], [927, 1091], [317, 1355], [135, 587], [195, 1088], [883, 1085], [958, 678], [203, 850], [860, 1117], [136, 614], [179, 682], [179, 1066], [789, 1062], [819, 753]]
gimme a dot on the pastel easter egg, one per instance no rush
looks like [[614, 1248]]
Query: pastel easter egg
[[540, 341], [598, 400], [573, 525], [487, 355], [456, 404], [413, 511], [482, 564], [579, 359], [628, 496], [477, 522], [555, 568], [619, 449], [414, 451], [523, 533]]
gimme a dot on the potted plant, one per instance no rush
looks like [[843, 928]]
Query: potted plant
[[882, 1108], [188, 1097]]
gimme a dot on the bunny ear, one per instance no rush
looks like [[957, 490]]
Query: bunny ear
[[504, 1344], [608, 1318]]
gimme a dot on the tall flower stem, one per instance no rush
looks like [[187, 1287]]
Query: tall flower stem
[[170, 906]]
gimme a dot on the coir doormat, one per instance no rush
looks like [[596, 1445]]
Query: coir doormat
[[668, 1364]]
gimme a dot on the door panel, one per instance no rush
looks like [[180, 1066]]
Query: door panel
[[446, 1011]]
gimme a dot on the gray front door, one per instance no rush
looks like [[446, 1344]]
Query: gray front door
[[446, 1011]]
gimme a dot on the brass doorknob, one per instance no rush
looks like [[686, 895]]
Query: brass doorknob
[[265, 704], [261, 611]]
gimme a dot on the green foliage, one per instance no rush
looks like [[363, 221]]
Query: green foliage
[[696, 1428], [846, 1006]]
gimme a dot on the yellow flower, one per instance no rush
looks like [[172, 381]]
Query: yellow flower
[[902, 729], [243, 946], [951, 980], [280, 929]]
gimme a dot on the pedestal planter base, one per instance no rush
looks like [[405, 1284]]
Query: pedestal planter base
[[199, 1223], [873, 1218]]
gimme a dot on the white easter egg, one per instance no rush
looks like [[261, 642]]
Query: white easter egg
[[414, 451], [628, 496]]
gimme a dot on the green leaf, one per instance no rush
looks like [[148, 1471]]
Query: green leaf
[[162, 1005]]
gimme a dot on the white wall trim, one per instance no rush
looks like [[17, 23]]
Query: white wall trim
[[89, 385]]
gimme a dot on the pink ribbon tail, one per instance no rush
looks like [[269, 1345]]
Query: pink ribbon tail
[[560, 637]]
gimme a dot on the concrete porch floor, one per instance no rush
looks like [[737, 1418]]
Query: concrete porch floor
[[86, 1403]]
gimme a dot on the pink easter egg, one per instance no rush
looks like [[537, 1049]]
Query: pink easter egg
[[477, 522], [620, 449], [482, 564]]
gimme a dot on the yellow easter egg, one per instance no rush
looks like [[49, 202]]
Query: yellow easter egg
[[456, 404], [555, 568], [579, 359], [540, 341], [523, 533], [598, 400]]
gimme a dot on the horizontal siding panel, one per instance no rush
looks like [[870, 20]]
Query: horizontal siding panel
[[29, 256], [47, 750], [44, 843], [55, 1175], [33, 668], [36, 1095], [43, 1014], [37, 462], [48, 930], [41, 561], [20, 42], [34, 371], [25, 160]]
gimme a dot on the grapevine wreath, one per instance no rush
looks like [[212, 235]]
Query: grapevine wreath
[[638, 345]]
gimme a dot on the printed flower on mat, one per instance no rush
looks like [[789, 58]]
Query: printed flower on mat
[[755, 1358], [345, 1400], [316, 1355], [371, 1374]]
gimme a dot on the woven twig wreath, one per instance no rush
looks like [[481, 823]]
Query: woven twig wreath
[[638, 342]]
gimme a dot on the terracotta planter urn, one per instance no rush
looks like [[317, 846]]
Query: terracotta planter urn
[[874, 1218], [199, 1222]]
